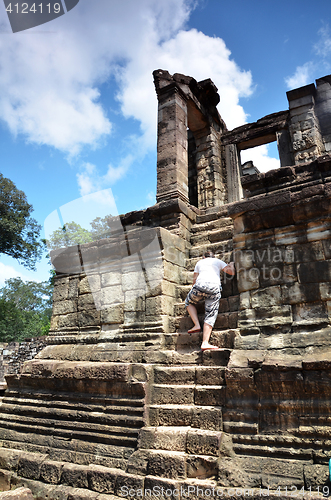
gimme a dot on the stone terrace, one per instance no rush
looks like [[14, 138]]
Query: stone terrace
[[122, 399]]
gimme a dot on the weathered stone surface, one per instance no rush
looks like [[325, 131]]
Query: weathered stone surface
[[18, 494]]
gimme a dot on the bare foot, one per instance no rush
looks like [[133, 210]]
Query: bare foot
[[205, 347], [195, 329]]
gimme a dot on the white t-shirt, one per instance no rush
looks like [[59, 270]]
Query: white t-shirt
[[209, 270]]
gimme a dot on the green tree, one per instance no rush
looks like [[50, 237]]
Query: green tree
[[25, 309], [68, 235], [100, 228], [19, 232]]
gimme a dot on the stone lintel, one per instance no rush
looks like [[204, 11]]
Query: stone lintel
[[257, 133]]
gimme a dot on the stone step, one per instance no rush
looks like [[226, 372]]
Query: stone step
[[115, 436], [80, 402], [215, 236], [201, 375], [211, 214], [212, 224], [220, 249], [176, 465], [240, 428], [224, 321], [90, 420], [188, 394], [45, 477], [184, 439], [196, 416]]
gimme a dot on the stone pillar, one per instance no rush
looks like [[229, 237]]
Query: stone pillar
[[323, 109], [211, 184], [284, 148], [172, 158], [233, 168], [307, 142]]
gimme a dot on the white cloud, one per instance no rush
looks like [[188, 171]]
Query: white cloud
[[305, 73], [301, 77], [7, 272], [260, 158], [49, 81], [323, 46]]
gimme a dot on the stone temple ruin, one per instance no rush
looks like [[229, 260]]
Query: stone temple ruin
[[122, 400]]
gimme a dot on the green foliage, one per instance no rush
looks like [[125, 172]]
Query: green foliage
[[68, 235], [25, 309], [74, 234], [19, 233]]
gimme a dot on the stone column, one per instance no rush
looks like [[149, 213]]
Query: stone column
[[306, 138], [211, 184], [323, 109], [172, 158], [233, 169]]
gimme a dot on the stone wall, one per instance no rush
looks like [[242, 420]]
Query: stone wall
[[282, 244], [122, 394]]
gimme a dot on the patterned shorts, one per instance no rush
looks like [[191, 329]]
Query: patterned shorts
[[211, 294]]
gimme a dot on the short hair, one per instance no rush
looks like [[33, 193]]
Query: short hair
[[209, 253]]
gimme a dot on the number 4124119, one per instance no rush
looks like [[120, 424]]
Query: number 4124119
[[35, 8]]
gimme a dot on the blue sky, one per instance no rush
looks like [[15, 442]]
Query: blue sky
[[78, 108]]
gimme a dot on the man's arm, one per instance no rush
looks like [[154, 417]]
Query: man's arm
[[195, 275], [229, 269]]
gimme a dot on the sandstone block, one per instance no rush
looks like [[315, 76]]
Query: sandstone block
[[113, 315], [68, 320], [9, 459], [73, 288], [29, 465], [181, 394], [208, 375], [266, 297], [172, 272], [64, 307], [5, 480], [102, 479], [17, 494], [170, 465], [170, 375], [327, 248], [61, 289], [159, 305], [207, 418], [87, 318], [278, 315], [128, 483], [201, 467], [248, 280], [201, 442], [51, 471], [314, 272], [315, 475], [74, 475], [112, 295], [171, 439], [310, 313], [155, 485], [84, 286], [298, 293], [209, 396], [111, 278]]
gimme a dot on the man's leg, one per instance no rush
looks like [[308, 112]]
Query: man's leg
[[192, 310], [207, 329], [211, 308]]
